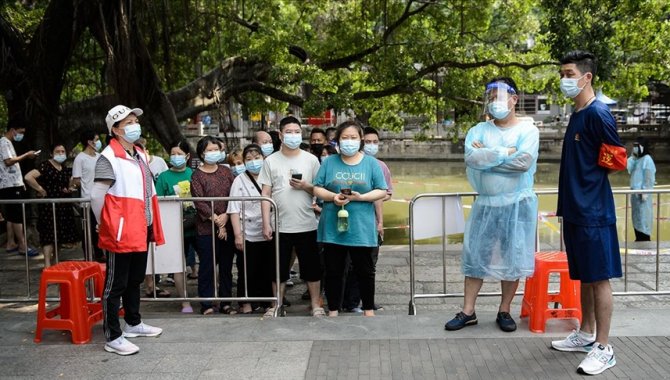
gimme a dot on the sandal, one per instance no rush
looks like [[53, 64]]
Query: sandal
[[187, 310], [207, 311], [160, 293], [227, 310], [32, 252], [269, 312], [318, 312], [242, 310]]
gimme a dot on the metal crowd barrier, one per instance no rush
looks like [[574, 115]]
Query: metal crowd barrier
[[84, 203], [445, 294]]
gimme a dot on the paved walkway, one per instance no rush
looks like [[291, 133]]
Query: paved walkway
[[392, 345]]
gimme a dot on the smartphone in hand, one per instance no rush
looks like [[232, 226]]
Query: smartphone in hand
[[296, 175], [345, 191]]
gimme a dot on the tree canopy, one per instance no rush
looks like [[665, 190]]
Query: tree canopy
[[65, 62]]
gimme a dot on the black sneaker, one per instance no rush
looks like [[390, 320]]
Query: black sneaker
[[461, 320], [505, 322]]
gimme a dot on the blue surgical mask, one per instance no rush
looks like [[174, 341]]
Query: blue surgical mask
[[254, 166], [637, 150], [98, 146], [213, 157], [498, 110], [223, 157], [60, 158], [238, 169], [350, 147], [132, 132], [371, 149], [267, 149], [292, 140], [570, 88], [18, 137], [178, 160]]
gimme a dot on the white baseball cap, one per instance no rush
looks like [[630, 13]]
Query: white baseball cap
[[119, 113]]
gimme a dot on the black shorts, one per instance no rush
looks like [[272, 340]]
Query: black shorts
[[307, 251], [13, 213]]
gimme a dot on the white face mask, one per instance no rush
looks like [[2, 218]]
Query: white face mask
[[132, 132], [570, 86], [60, 158], [292, 140]]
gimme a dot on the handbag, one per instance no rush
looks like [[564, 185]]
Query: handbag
[[612, 157]]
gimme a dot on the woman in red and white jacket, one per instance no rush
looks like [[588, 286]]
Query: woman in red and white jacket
[[124, 202]]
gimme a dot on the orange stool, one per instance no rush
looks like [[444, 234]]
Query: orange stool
[[76, 314], [536, 295]]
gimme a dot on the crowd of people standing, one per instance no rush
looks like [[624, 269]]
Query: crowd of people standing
[[327, 200]]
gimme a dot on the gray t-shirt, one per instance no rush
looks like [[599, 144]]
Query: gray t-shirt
[[157, 165], [104, 171], [84, 169], [294, 206]]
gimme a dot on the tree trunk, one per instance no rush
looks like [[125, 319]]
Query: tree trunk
[[33, 73], [130, 71]]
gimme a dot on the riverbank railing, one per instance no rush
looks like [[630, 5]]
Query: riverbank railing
[[439, 215]]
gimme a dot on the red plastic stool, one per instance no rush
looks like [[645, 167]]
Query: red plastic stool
[[536, 295], [76, 314]]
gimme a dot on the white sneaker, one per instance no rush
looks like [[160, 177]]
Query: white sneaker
[[141, 330], [598, 360], [121, 346], [576, 341]]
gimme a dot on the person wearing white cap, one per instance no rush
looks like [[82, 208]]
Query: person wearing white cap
[[125, 205]]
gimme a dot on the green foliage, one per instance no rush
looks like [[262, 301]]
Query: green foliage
[[430, 64], [629, 37]]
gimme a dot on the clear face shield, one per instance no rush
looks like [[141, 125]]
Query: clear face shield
[[496, 100]]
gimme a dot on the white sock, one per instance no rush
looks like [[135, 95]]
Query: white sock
[[586, 335]]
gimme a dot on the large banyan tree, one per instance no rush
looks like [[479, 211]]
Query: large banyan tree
[[65, 62]]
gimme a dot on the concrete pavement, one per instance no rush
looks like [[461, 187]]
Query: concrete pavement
[[392, 345]]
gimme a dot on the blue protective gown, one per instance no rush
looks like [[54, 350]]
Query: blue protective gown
[[500, 232], [642, 176]]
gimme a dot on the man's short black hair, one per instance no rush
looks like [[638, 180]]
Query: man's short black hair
[[288, 120], [14, 124], [586, 62], [316, 130], [370, 130], [276, 141], [86, 136], [507, 80]]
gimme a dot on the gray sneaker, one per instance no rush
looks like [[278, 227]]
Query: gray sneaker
[[141, 330], [574, 342], [121, 346], [598, 360]]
